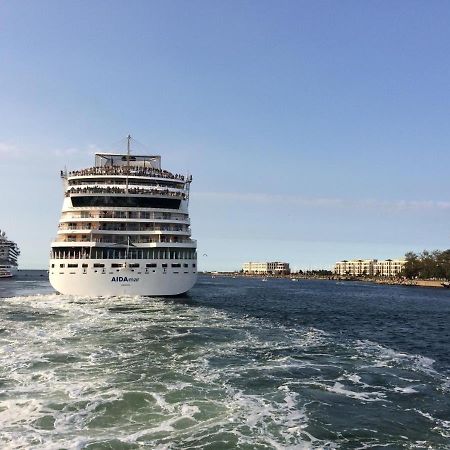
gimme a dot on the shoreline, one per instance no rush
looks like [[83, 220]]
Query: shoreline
[[387, 281], [397, 281]]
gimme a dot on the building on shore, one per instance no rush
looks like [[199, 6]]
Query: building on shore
[[271, 268], [355, 267], [369, 267], [389, 267]]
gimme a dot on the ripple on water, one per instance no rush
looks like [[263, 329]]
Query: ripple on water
[[130, 372]]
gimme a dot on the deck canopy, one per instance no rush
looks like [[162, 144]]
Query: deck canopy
[[121, 159]]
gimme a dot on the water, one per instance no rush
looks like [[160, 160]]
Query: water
[[237, 364]]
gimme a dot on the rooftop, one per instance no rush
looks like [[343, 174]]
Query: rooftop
[[123, 159]]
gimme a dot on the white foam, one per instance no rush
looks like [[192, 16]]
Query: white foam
[[355, 378], [339, 388], [387, 357], [19, 411], [161, 402], [107, 353], [406, 390]]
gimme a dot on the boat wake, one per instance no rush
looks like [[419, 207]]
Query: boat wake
[[126, 372]]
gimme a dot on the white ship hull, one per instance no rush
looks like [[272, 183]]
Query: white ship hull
[[9, 272], [125, 281], [6, 275], [124, 230]]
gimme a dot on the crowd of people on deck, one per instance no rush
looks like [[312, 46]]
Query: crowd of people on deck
[[144, 239], [121, 227], [122, 190], [98, 253], [121, 182], [125, 170]]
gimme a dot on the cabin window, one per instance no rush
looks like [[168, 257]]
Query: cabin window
[[151, 265], [99, 265], [133, 265], [62, 266], [164, 265], [176, 265], [84, 265], [72, 266]]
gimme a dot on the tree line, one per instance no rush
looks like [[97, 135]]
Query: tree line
[[320, 272], [428, 264]]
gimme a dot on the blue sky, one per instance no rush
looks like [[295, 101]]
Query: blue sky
[[314, 130]]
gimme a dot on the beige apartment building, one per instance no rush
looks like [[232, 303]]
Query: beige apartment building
[[389, 267], [275, 268], [370, 267], [355, 267]]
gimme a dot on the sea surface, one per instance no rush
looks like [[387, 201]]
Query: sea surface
[[239, 363]]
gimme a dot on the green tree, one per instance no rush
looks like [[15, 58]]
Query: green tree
[[413, 265], [443, 262], [428, 264]]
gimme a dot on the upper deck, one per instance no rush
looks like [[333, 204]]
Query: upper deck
[[128, 160], [108, 164], [6, 243], [125, 165]]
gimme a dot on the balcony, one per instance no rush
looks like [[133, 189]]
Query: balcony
[[117, 191], [122, 230], [123, 171], [104, 218], [107, 240]]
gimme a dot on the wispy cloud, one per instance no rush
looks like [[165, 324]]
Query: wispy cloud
[[63, 152], [77, 151], [10, 151], [327, 202]]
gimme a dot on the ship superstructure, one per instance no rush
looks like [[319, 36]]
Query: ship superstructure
[[124, 230], [9, 252]]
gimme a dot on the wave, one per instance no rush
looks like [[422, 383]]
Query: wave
[[152, 372]]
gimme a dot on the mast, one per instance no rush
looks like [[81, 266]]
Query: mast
[[128, 160]]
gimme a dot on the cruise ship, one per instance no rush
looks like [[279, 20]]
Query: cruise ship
[[9, 252], [124, 230]]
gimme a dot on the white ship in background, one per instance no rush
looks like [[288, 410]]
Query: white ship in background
[[124, 230], [9, 252]]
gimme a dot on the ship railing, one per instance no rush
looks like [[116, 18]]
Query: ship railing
[[172, 184], [142, 241], [98, 253], [143, 216], [133, 229], [149, 240], [116, 190], [123, 170]]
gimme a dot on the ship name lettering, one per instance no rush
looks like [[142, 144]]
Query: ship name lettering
[[124, 279]]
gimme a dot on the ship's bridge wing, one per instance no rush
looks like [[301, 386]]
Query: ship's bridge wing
[[121, 159]]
